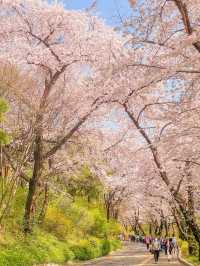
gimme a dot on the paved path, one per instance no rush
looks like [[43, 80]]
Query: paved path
[[131, 255]]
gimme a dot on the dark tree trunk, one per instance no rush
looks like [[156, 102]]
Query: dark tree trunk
[[166, 228], [192, 225], [199, 250], [44, 205], [180, 225], [191, 240], [160, 228], [33, 184], [116, 214], [150, 229], [108, 213]]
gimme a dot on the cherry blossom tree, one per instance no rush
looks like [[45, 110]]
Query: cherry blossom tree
[[164, 38], [67, 62]]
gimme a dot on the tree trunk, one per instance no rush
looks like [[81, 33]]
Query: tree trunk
[[192, 225], [141, 229], [160, 228], [191, 248], [33, 184], [166, 228], [199, 250], [108, 213], [182, 232], [150, 229], [44, 205]]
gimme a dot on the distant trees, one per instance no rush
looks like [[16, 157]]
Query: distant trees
[[85, 184]]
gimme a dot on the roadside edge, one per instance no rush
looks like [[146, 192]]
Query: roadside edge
[[183, 261]]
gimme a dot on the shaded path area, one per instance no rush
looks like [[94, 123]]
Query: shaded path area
[[132, 254]]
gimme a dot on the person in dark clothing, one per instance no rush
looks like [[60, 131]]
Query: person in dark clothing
[[156, 249], [170, 246], [165, 246]]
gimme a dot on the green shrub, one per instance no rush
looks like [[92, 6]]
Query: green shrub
[[56, 222], [193, 246], [184, 248], [83, 251], [93, 248], [113, 228], [39, 248], [115, 244], [106, 247], [99, 227]]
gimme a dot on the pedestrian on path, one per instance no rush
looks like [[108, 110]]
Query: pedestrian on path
[[156, 249], [147, 241], [169, 249]]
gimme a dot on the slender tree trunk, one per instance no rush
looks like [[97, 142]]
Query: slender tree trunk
[[199, 250], [182, 232], [191, 212], [108, 213], [192, 225], [116, 214], [150, 229], [44, 205], [166, 228], [161, 227], [33, 184], [141, 229]]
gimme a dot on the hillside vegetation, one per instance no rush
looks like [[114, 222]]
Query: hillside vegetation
[[75, 227]]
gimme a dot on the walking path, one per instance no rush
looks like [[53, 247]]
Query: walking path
[[131, 255]]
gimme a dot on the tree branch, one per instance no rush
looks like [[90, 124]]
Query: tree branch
[[186, 20]]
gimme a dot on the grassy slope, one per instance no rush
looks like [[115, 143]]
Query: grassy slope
[[71, 231], [43, 247]]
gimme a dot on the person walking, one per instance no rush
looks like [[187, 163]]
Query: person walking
[[165, 246], [147, 241], [156, 249], [174, 246], [169, 249]]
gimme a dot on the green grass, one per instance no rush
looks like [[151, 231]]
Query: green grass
[[38, 248], [192, 259]]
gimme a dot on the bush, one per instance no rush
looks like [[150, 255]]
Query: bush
[[93, 248], [184, 248], [99, 228], [83, 251], [115, 244], [114, 229], [39, 248], [57, 223], [106, 247], [193, 246]]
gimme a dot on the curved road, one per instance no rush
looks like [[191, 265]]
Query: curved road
[[131, 255]]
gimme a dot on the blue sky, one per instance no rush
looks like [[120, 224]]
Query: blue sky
[[107, 9]]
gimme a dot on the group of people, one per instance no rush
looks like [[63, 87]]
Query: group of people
[[167, 245], [156, 245]]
